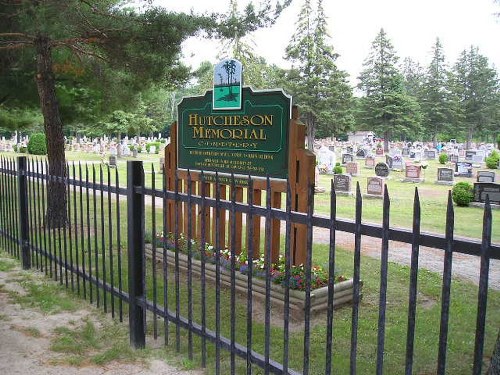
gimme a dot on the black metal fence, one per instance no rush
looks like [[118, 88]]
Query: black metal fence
[[172, 289]]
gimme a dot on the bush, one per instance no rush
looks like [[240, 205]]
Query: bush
[[157, 147], [37, 144], [492, 160], [443, 158], [337, 169], [462, 193]]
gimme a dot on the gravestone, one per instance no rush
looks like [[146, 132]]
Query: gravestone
[[382, 170], [349, 150], [481, 189], [346, 158], [463, 169], [477, 160], [361, 154], [453, 158], [445, 176], [369, 162], [379, 151], [430, 154], [469, 154], [326, 158], [352, 168], [375, 187], [112, 161], [398, 163], [331, 148], [152, 149], [418, 155], [405, 151], [388, 161], [342, 184], [486, 176], [413, 173]]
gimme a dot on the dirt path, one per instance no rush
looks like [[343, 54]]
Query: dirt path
[[26, 335]]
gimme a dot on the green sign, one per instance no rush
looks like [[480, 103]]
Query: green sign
[[250, 141]]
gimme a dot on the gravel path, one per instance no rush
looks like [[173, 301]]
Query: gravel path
[[464, 267]]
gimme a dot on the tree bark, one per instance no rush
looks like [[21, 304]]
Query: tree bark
[[56, 215]]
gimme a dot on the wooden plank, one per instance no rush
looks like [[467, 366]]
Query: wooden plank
[[257, 201], [238, 220], [275, 228]]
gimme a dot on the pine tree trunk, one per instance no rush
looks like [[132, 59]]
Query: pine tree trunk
[[56, 188], [470, 133], [386, 141], [495, 359]]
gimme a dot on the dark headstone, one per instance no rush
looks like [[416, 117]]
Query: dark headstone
[[375, 186], [485, 176], [112, 161], [361, 154], [405, 151], [481, 189], [342, 183], [352, 168], [469, 154], [463, 169], [430, 154], [445, 176], [331, 148], [382, 170], [349, 150], [346, 158]]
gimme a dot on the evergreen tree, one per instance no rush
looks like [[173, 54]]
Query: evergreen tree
[[386, 107], [317, 85], [439, 105], [477, 87], [102, 35]]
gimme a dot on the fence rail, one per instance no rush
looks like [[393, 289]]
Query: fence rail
[[146, 277]]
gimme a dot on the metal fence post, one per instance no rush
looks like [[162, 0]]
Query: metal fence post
[[22, 193], [136, 228]]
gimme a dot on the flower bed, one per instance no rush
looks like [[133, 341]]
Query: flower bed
[[343, 288]]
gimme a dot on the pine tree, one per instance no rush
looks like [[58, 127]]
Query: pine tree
[[477, 87], [101, 35], [439, 105], [317, 85], [386, 107]]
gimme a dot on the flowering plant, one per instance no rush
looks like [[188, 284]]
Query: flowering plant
[[297, 280]]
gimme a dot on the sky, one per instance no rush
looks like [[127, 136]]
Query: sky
[[411, 25]]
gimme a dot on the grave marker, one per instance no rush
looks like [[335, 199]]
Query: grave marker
[[342, 184], [485, 176], [382, 170], [369, 162], [463, 169], [388, 161], [481, 189], [375, 187], [346, 158], [352, 168], [430, 154], [445, 176], [398, 163], [413, 173]]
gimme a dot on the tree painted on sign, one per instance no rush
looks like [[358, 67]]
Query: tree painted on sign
[[230, 68]]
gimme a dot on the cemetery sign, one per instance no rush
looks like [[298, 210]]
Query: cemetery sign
[[250, 140]]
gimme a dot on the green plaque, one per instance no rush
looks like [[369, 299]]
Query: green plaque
[[250, 141]]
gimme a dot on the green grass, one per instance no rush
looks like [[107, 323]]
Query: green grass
[[463, 295], [89, 344]]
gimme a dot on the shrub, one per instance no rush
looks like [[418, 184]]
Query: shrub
[[492, 160], [337, 169], [462, 194], [443, 158], [37, 144], [156, 144]]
